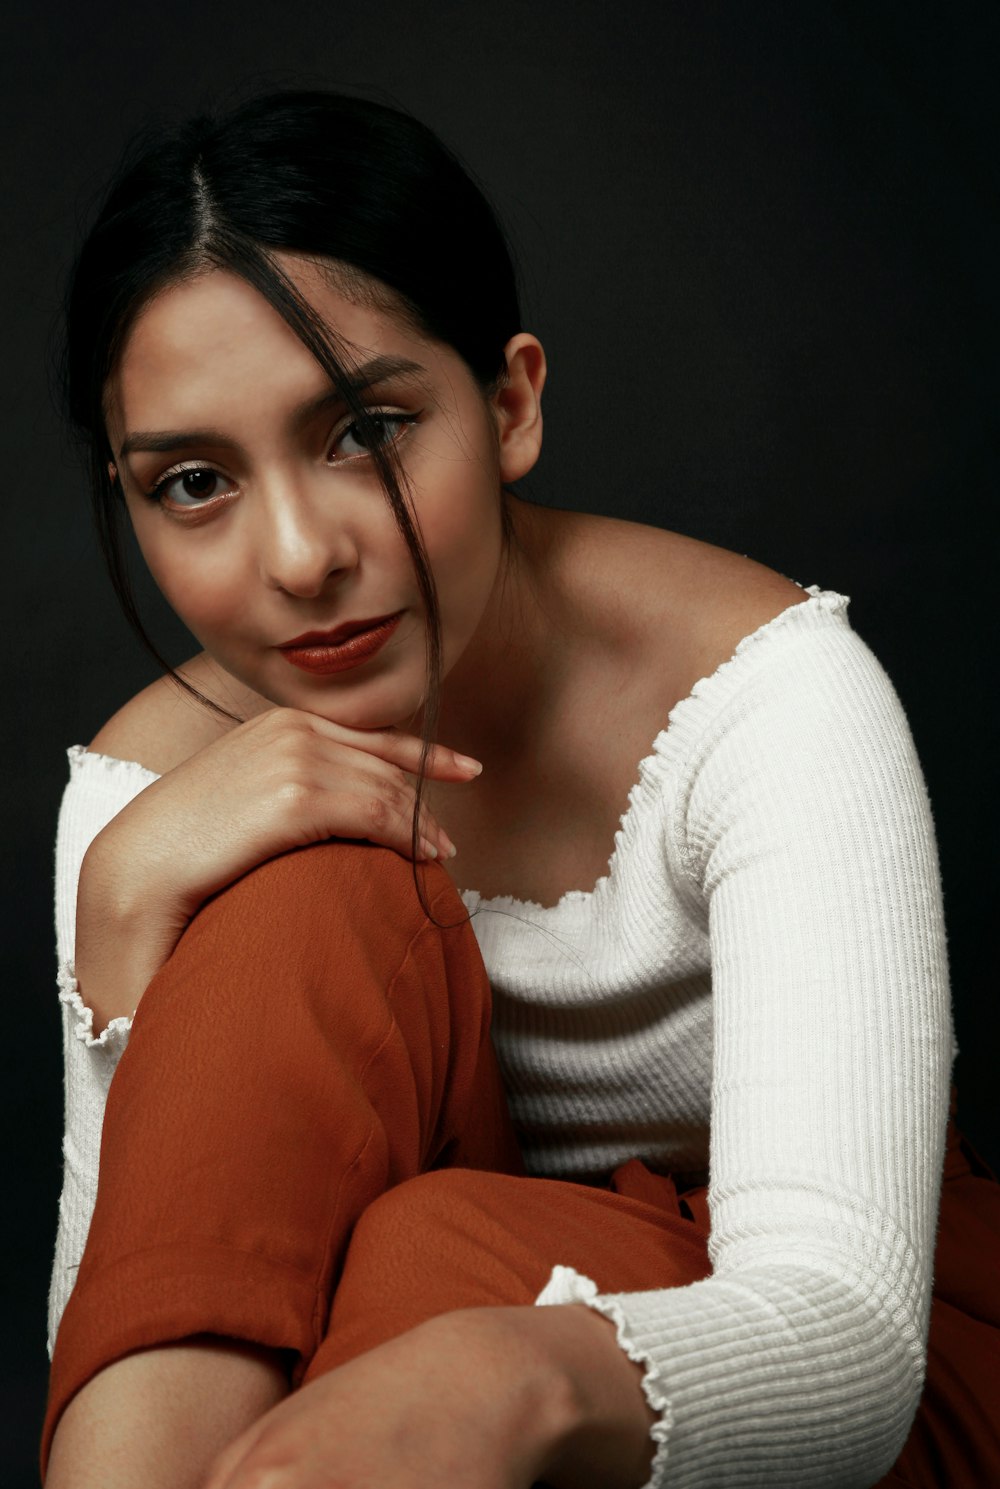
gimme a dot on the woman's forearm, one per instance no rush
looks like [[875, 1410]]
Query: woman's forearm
[[283, 780], [492, 1397], [123, 937], [159, 1417]]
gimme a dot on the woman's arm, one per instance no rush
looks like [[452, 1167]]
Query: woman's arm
[[282, 780], [798, 813]]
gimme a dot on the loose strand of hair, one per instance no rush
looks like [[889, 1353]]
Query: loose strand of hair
[[258, 267]]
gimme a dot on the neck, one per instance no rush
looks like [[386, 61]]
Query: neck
[[495, 696]]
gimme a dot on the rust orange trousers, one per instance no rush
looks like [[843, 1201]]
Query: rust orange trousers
[[307, 1146]]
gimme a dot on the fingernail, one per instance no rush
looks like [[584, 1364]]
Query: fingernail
[[449, 847], [427, 848], [466, 762]]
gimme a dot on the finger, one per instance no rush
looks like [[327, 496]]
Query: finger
[[430, 840], [444, 764], [404, 750], [377, 809]]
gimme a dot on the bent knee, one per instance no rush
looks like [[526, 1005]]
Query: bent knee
[[442, 1240], [413, 1216], [326, 895], [335, 864]]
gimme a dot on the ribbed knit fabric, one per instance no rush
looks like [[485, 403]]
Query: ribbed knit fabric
[[757, 991]]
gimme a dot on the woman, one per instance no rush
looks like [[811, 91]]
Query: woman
[[295, 350]]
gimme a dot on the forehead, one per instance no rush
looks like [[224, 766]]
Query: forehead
[[209, 340]]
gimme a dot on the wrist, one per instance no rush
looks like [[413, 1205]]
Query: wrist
[[607, 1444], [571, 1402]]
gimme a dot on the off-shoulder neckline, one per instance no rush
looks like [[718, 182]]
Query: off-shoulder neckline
[[666, 749]]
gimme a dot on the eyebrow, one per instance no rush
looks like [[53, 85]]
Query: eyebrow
[[368, 375]]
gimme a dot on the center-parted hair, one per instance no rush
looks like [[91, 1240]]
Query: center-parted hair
[[363, 186]]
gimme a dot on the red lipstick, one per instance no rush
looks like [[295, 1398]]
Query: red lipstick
[[347, 645]]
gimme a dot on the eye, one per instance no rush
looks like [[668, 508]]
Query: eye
[[388, 428], [191, 486]]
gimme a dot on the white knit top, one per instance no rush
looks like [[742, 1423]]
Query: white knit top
[[756, 990]]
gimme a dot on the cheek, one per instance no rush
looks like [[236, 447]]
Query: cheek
[[197, 583], [459, 503]]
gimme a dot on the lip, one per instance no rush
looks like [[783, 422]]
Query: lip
[[345, 646]]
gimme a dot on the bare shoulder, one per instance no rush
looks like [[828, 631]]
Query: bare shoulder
[[689, 600], [720, 597], [163, 725]]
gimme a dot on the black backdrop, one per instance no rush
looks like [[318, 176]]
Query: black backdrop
[[760, 245]]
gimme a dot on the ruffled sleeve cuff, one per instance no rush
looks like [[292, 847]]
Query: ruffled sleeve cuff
[[90, 1062], [80, 1019], [568, 1286]]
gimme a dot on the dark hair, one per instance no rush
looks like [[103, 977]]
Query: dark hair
[[364, 186]]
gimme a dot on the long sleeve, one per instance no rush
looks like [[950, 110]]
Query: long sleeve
[[804, 828], [98, 789]]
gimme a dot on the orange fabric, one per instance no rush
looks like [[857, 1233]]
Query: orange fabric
[[313, 1040], [306, 1145], [461, 1239]]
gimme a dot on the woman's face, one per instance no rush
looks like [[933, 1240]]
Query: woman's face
[[260, 514]]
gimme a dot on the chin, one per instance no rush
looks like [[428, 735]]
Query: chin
[[357, 713]]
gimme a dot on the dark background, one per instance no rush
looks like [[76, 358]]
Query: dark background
[[760, 245]]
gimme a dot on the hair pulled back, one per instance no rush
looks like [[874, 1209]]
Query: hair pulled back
[[364, 186]]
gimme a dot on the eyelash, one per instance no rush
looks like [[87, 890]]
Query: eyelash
[[379, 418], [156, 492]]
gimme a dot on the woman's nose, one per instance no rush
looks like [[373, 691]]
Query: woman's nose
[[302, 542]]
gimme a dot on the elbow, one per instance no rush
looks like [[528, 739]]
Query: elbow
[[906, 1396], [887, 1388], [836, 1398]]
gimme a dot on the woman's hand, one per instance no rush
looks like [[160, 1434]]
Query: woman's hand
[[485, 1398], [282, 780]]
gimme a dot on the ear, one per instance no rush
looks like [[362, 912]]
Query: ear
[[517, 407]]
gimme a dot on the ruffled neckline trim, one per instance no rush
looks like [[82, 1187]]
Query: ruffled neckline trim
[[672, 745]]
